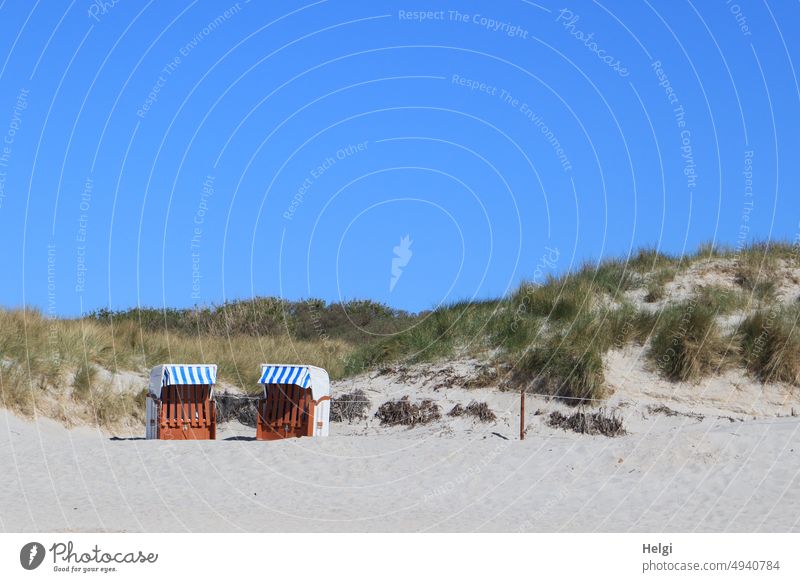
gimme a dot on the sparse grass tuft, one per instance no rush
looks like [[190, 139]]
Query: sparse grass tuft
[[755, 269], [515, 330], [559, 299], [720, 300], [16, 392], [655, 292], [111, 408], [770, 343], [573, 373], [611, 276], [82, 382], [656, 283], [625, 325], [687, 344], [647, 260]]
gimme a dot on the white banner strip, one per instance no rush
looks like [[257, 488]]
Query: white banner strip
[[398, 556]]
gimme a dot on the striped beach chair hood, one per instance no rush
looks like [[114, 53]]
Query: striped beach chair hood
[[303, 376], [181, 375]]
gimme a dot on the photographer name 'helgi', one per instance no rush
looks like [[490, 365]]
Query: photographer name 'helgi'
[[662, 549]]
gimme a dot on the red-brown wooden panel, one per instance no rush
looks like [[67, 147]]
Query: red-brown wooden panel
[[186, 412], [284, 412]]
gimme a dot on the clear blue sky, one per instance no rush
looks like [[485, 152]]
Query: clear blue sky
[[176, 153]]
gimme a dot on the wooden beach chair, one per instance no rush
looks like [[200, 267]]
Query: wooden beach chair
[[180, 404], [295, 402]]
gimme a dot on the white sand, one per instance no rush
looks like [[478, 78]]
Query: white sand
[[670, 473]]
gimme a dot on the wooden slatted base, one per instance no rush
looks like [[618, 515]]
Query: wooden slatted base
[[287, 412], [187, 413]]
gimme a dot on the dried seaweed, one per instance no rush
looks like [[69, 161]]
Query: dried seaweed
[[479, 410], [592, 423], [241, 408], [350, 407], [407, 413], [666, 410]]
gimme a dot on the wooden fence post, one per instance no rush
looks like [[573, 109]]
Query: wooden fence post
[[522, 414]]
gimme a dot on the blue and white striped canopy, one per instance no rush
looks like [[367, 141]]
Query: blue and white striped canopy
[[181, 374], [279, 374]]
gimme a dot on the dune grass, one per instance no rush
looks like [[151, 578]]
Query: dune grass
[[308, 320], [550, 337], [568, 372], [687, 343], [553, 336], [464, 326], [657, 283], [720, 300], [45, 358], [770, 344]]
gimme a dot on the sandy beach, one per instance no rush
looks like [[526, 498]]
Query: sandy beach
[[709, 464]]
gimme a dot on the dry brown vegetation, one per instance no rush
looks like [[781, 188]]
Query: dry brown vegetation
[[237, 407], [478, 410], [58, 361], [350, 407], [407, 413], [593, 423]]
